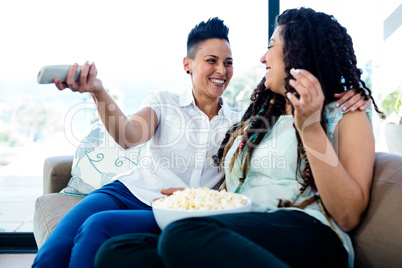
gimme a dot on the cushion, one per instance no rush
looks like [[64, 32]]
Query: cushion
[[97, 160], [377, 240], [49, 209]]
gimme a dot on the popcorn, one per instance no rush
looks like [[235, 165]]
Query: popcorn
[[201, 199]]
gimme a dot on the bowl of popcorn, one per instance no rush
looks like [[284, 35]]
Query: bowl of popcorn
[[197, 202]]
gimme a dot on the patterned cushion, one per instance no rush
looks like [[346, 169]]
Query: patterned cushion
[[97, 160]]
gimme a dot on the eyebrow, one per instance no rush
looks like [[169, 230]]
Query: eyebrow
[[213, 56]]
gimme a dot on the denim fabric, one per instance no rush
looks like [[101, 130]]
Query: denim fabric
[[279, 239], [109, 211]]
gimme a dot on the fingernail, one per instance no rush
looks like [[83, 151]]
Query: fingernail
[[294, 71], [337, 105]]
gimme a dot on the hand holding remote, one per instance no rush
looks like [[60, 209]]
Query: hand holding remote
[[85, 81], [47, 74]]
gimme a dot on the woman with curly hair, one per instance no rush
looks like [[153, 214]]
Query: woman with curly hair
[[318, 187], [304, 162]]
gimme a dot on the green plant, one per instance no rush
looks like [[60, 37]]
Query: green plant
[[392, 104]]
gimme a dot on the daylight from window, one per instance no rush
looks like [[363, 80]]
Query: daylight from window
[[137, 46], [375, 27]]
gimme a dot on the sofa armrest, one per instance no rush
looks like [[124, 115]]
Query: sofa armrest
[[377, 240], [56, 173]]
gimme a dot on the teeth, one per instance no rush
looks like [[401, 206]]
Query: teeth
[[218, 81]]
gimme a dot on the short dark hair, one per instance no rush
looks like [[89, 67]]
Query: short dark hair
[[214, 28]]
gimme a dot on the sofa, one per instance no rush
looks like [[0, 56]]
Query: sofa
[[377, 240]]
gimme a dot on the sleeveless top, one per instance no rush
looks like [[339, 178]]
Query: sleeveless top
[[272, 171]]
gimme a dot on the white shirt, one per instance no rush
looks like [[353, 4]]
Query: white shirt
[[180, 153]]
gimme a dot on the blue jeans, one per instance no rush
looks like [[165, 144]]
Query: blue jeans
[[280, 239], [107, 212]]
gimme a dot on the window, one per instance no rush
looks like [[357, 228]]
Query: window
[[137, 47], [377, 36]]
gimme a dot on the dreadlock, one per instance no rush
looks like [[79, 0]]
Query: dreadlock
[[313, 41]]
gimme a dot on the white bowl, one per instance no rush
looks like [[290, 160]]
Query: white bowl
[[164, 216]]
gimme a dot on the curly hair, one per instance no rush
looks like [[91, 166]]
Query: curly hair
[[313, 41]]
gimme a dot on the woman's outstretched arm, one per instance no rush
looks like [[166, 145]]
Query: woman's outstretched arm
[[127, 132]]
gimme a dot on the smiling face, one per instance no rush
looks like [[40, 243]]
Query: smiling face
[[273, 60], [211, 69]]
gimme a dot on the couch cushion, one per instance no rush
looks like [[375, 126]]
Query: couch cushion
[[378, 238], [97, 160], [49, 209]]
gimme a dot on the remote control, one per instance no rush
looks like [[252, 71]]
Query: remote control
[[47, 74]]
